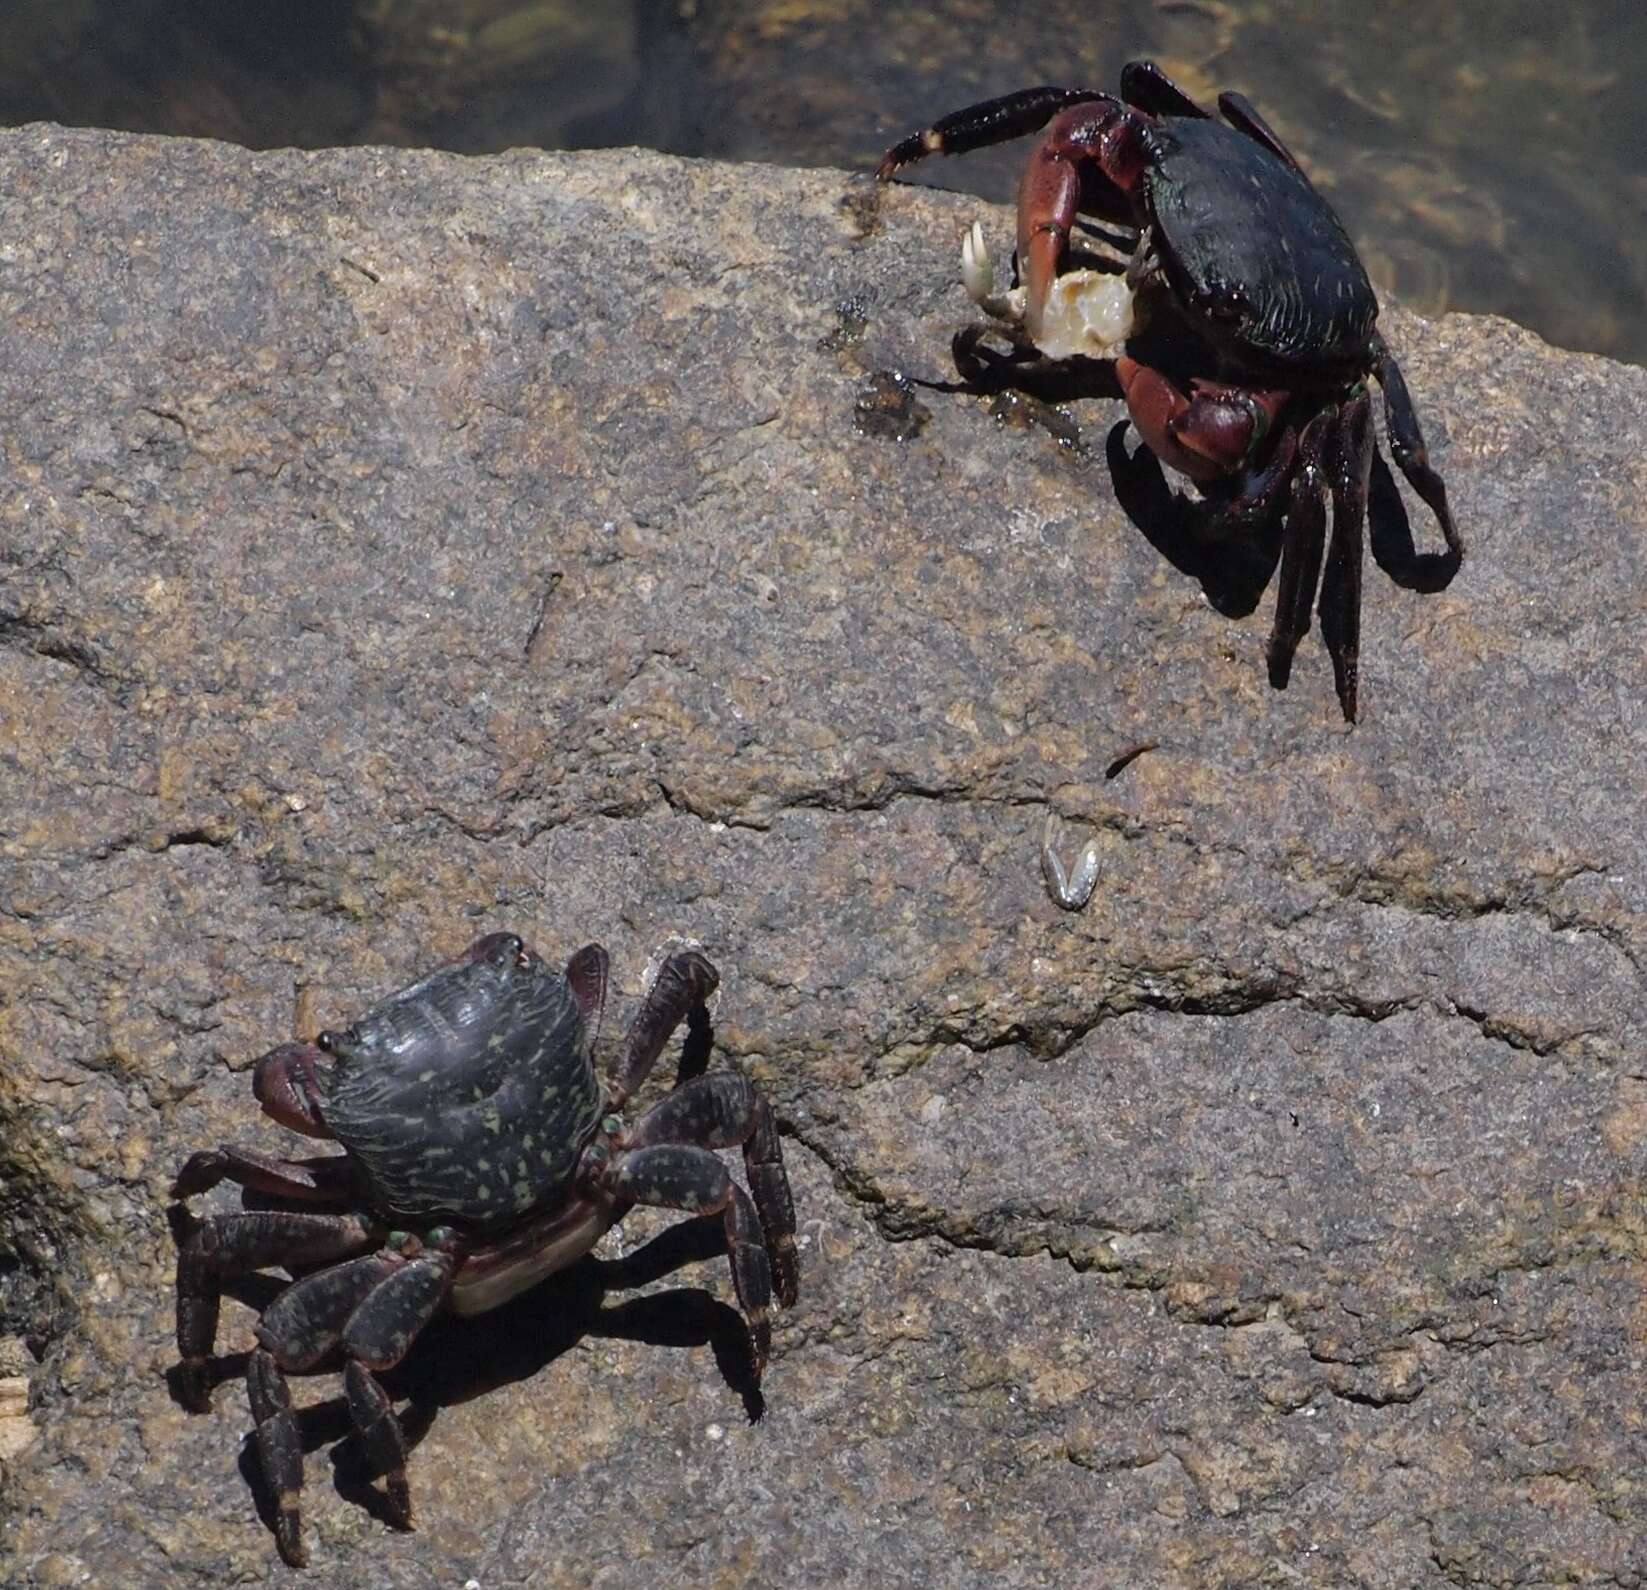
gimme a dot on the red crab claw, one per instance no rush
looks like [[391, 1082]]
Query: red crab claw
[[1211, 432], [285, 1083]]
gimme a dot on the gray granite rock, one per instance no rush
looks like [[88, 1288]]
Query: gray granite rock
[[394, 547]]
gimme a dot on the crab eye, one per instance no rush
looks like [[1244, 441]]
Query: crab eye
[[507, 948], [337, 1042], [1227, 303], [326, 1039]]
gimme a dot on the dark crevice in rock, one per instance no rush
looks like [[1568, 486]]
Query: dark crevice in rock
[[43, 1225], [44, 639], [1382, 1397], [989, 1231], [210, 838], [482, 833], [1426, 898], [682, 805], [207, 835], [1143, 990]]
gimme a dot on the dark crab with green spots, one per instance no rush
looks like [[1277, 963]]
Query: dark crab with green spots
[[481, 1154]]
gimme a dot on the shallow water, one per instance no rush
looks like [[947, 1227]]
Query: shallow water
[[1487, 155]]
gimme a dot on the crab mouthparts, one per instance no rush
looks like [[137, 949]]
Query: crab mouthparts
[[1087, 313]]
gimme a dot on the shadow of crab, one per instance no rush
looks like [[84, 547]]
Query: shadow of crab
[[458, 1359], [1232, 569], [986, 371], [1390, 538], [1234, 565], [1232, 560]]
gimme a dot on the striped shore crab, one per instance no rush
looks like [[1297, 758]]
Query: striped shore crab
[[1243, 327], [481, 1153]]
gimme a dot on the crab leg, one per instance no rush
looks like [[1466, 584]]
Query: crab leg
[[1255, 497], [1145, 85], [991, 121], [586, 974], [279, 1450], [387, 1320], [1303, 542], [1088, 162], [683, 983], [681, 1176], [234, 1245], [724, 1110], [377, 1336], [1243, 116], [375, 1305], [381, 1436], [327, 1176], [306, 1321], [1349, 464], [299, 1328], [1407, 442]]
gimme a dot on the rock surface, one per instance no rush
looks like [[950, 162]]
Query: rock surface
[[395, 547]]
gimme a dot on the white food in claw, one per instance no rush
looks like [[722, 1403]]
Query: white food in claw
[[1087, 312]]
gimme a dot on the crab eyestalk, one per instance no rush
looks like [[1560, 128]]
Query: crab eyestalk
[[1086, 313]]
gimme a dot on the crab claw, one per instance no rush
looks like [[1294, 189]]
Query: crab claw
[[977, 269], [978, 277]]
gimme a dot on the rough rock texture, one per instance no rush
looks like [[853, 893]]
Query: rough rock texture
[[396, 547]]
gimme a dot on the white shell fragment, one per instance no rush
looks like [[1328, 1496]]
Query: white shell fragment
[[1087, 312], [1073, 888]]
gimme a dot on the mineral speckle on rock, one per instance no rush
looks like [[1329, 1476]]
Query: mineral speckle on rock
[[395, 547]]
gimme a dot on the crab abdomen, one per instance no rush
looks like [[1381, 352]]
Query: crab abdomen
[[1249, 244], [492, 1276], [468, 1096]]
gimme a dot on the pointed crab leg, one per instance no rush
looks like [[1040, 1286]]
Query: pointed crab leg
[[1303, 542], [992, 121], [683, 983], [237, 1244], [1407, 443], [726, 1110], [1349, 464], [683, 1176]]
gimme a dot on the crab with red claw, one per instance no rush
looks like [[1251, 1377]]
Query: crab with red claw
[[1244, 330], [481, 1154]]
